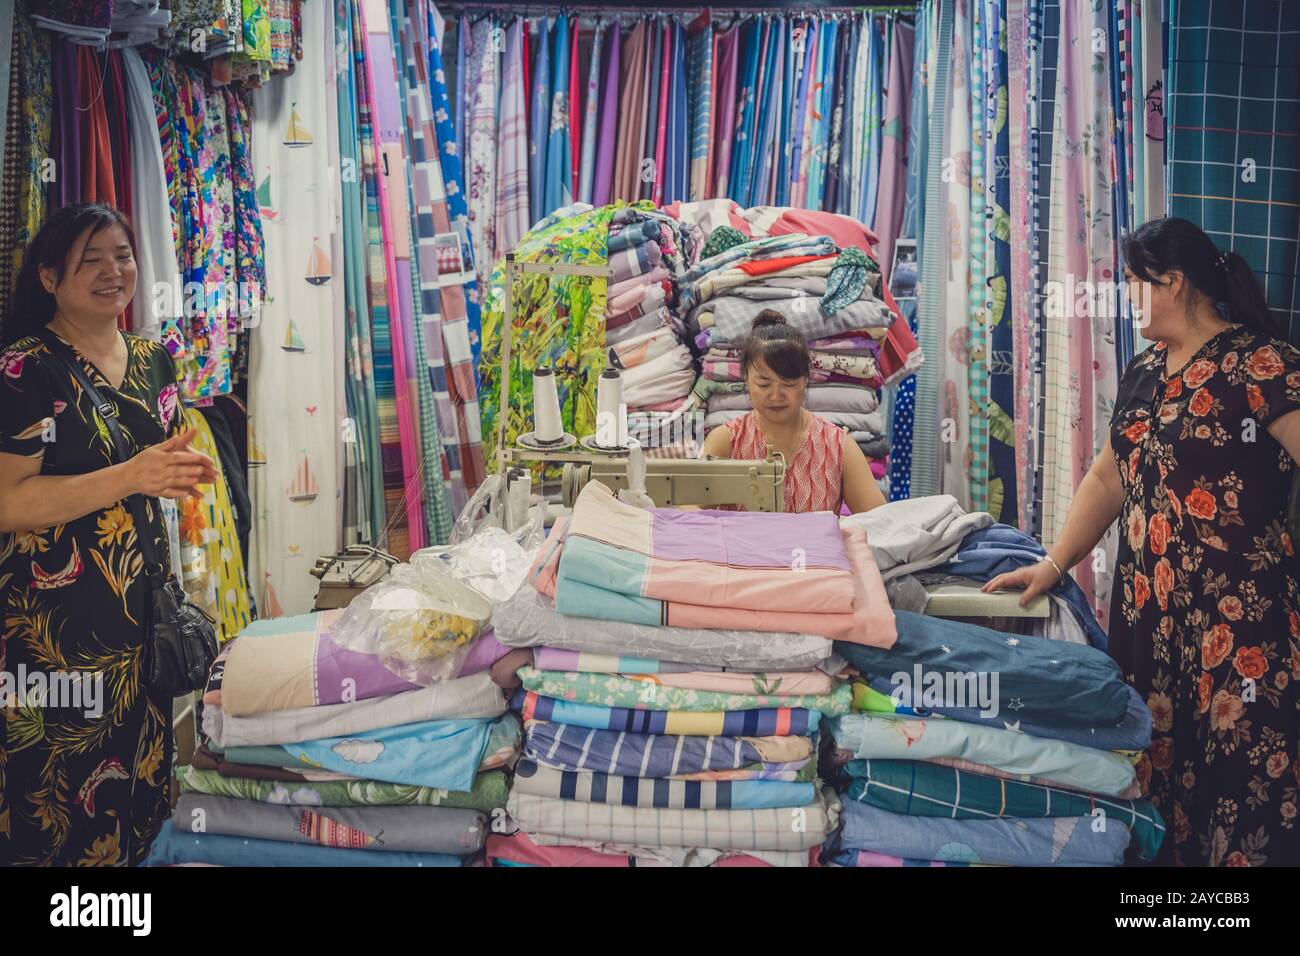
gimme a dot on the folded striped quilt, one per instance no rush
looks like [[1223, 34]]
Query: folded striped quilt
[[792, 828], [1048, 841], [400, 829], [634, 261], [929, 790], [902, 738], [749, 570], [632, 234], [615, 690], [765, 722], [532, 778], [567, 747]]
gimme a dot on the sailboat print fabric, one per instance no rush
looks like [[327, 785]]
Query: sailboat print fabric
[[295, 495]]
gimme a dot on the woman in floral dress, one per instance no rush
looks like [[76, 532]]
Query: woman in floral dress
[[83, 781], [1198, 470]]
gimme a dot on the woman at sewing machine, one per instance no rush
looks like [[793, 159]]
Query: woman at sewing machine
[[825, 468]]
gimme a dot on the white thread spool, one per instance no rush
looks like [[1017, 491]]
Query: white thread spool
[[611, 413], [547, 427]]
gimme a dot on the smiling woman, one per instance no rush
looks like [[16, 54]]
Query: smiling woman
[[79, 789], [825, 468]]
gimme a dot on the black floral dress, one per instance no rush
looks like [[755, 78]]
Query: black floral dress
[[1207, 625], [83, 785]]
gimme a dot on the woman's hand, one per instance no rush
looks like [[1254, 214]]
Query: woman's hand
[[1036, 579], [171, 469]]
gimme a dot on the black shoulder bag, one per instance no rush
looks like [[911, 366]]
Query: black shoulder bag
[[180, 638]]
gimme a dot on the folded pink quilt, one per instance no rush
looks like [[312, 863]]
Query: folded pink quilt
[[737, 570]]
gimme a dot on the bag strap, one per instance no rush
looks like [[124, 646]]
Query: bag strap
[[153, 565]]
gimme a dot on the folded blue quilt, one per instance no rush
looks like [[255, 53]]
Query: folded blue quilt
[[1048, 841], [1043, 681], [434, 753], [172, 847]]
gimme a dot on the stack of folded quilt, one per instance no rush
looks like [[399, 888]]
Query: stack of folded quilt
[[317, 754], [682, 668], [1038, 769], [833, 297], [648, 251]]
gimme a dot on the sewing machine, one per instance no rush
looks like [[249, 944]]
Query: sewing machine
[[675, 482], [670, 482]]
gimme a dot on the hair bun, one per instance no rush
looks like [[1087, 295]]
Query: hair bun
[[768, 318]]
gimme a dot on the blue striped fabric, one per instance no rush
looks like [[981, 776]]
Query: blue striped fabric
[[765, 722], [699, 92], [597, 787], [567, 747]]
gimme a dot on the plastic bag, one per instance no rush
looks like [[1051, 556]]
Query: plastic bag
[[492, 562], [498, 505], [419, 620]]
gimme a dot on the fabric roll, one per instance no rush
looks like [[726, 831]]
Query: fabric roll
[[603, 177], [728, 65], [512, 188], [590, 114], [155, 253], [558, 189]]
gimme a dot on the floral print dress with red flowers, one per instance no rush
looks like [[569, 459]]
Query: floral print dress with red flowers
[[1207, 627], [82, 785]]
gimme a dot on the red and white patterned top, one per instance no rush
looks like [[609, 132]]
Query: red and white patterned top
[[813, 481]]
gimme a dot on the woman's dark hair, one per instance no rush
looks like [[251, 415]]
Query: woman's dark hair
[[1166, 245], [777, 344], [32, 307]]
